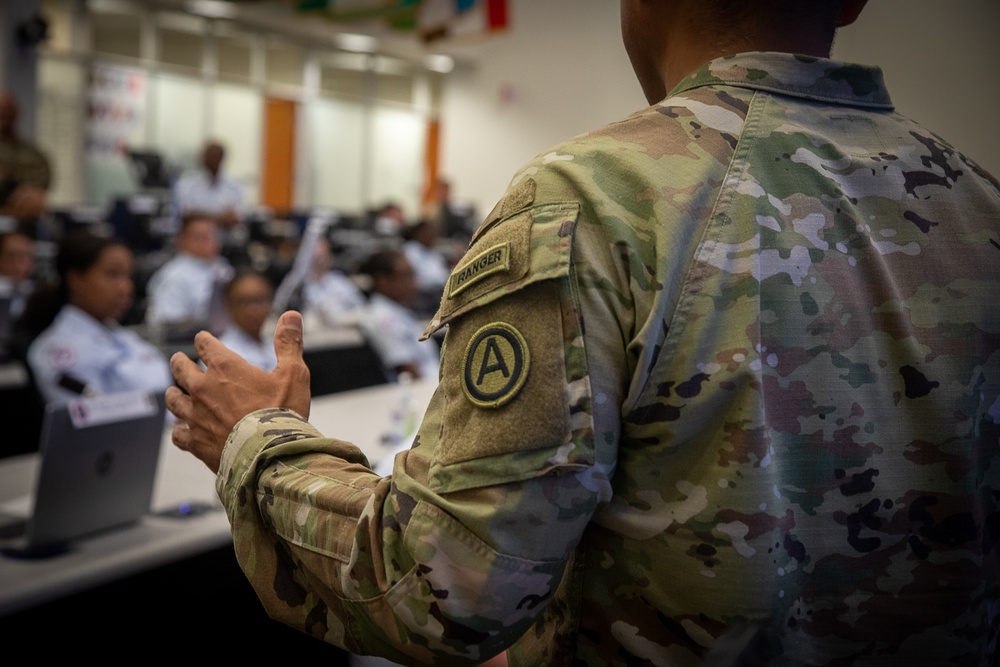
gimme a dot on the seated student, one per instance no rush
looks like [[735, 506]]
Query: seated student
[[389, 220], [429, 263], [248, 298], [17, 266], [184, 295], [82, 350], [330, 295], [390, 325]]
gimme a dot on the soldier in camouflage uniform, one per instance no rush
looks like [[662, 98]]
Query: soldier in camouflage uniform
[[723, 375], [20, 160]]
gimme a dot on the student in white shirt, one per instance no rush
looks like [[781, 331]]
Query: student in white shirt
[[17, 267], [421, 248], [248, 298], [330, 294], [185, 293], [82, 349], [390, 325]]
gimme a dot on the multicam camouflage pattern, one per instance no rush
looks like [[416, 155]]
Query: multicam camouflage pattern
[[22, 162], [777, 307]]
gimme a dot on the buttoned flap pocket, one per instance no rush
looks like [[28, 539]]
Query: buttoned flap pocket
[[513, 369], [531, 246]]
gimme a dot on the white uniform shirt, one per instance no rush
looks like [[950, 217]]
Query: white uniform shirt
[[256, 353], [196, 191], [186, 289], [18, 292], [334, 296], [429, 264], [104, 358], [395, 334]]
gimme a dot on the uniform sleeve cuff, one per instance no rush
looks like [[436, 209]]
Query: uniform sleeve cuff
[[248, 439]]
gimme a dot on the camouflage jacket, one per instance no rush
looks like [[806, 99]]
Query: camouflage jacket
[[728, 368], [24, 163]]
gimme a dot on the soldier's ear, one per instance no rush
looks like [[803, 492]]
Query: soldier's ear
[[850, 11]]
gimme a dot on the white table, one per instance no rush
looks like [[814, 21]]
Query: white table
[[361, 416]]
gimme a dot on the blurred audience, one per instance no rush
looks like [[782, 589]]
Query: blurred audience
[[80, 348], [21, 162], [17, 268], [248, 298], [185, 294], [453, 220], [389, 220], [25, 203], [208, 192], [330, 295], [430, 264], [389, 323]]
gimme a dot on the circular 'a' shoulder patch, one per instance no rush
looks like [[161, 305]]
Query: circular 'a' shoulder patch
[[496, 365]]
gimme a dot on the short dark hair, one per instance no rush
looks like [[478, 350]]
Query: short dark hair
[[78, 251], [754, 15], [190, 218], [382, 263], [4, 236], [241, 275]]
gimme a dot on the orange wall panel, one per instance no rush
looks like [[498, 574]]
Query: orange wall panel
[[277, 184]]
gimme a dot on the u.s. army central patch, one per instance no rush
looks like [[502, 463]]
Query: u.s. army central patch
[[496, 365]]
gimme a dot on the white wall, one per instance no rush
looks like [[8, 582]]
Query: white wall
[[940, 60], [567, 72]]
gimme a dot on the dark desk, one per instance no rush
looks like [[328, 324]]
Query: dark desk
[[21, 411], [172, 586]]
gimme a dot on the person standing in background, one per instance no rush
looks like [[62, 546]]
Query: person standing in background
[[208, 192]]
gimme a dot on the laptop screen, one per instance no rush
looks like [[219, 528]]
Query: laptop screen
[[98, 467]]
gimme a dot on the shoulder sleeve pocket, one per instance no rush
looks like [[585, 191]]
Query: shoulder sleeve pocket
[[513, 368]]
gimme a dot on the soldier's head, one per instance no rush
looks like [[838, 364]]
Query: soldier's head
[[668, 39]]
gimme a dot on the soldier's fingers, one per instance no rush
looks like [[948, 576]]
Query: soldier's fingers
[[181, 436], [211, 352], [179, 404], [185, 371], [288, 338]]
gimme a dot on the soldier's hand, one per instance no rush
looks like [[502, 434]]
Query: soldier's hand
[[230, 388]]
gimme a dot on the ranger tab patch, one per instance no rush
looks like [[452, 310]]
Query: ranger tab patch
[[496, 365], [489, 261]]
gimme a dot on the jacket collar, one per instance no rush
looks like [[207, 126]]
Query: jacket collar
[[819, 79]]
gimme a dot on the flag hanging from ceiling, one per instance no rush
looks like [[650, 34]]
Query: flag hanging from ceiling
[[448, 19], [431, 19]]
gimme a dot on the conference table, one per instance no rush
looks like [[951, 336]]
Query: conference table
[[373, 418]]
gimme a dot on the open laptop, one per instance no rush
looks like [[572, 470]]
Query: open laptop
[[98, 465]]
